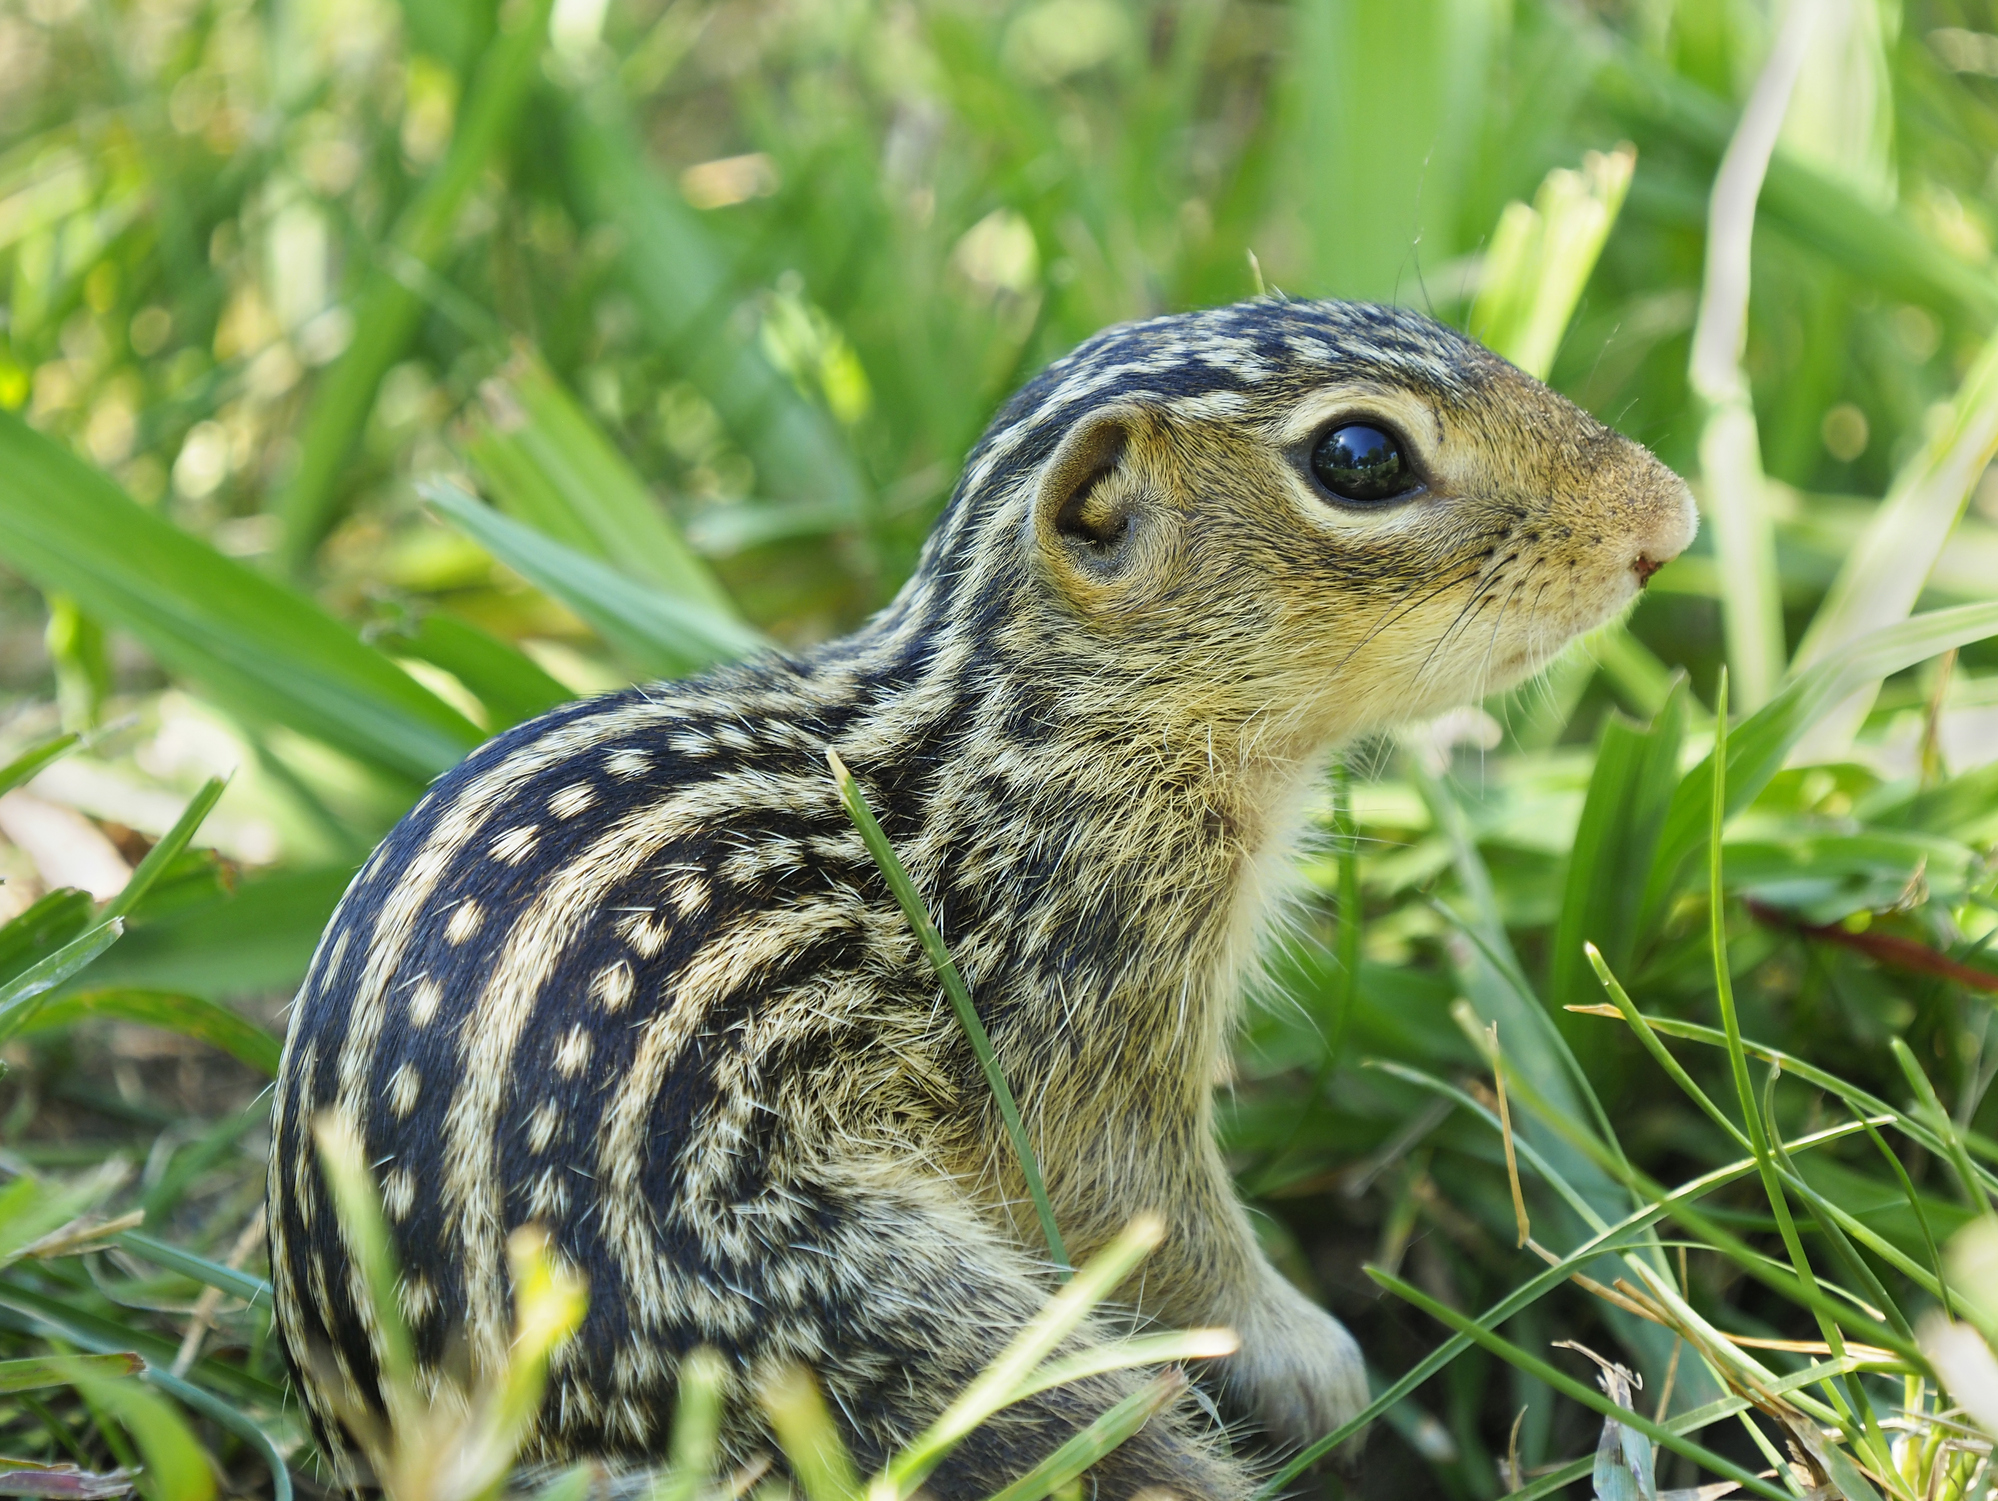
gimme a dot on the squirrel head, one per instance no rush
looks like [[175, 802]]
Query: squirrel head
[[1296, 521]]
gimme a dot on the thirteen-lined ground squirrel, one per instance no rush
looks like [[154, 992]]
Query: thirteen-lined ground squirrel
[[628, 971]]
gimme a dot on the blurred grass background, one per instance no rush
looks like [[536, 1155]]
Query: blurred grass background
[[710, 297]]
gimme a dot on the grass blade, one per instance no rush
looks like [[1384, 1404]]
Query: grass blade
[[656, 633], [61, 1370], [175, 1462], [1125, 1354], [1017, 1369], [697, 1414], [258, 937], [359, 1210], [550, 466], [808, 1436], [905, 891], [1854, 1098], [257, 648], [186, 1015], [95, 1335], [34, 758], [1884, 248], [680, 276], [1940, 1121], [1110, 1429], [1630, 789], [166, 850], [1574, 1390], [1730, 450], [1631, 1229], [22, 996], [252, 1290], [510, 684]]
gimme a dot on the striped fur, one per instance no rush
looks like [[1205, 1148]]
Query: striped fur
[[627, 972]]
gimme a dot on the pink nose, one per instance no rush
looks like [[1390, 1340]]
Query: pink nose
[[1644, 567]]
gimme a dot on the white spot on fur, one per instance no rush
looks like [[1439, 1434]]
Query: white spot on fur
[[424, 1001], [572, 800], [464, 921], [627, 763], [542, 1125], [399, 1193], [549, 1198], [689, 895], [511, 846], [418, 1298], [574, 1053], [403, 1089], [643, 932], [613, 986]]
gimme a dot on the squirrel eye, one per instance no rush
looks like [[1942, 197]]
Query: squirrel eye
[[1358, 462]]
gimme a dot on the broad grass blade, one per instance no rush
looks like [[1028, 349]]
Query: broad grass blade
[[510, 685], [34, 758], [261, 650], [61, 1370], [186, 1015], [24, 995], [175, 1461], [655, 633], [548, 464], [258, 937], [44, 928], [1635, 774], [238, 1284], [162, 854], [32, 1207]]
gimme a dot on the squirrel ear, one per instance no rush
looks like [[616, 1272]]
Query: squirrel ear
[[1088, 502]]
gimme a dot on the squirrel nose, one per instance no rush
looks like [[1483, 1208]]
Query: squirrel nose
[[1644, 567]]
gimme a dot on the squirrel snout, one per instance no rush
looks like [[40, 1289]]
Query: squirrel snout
[[1667, 522]]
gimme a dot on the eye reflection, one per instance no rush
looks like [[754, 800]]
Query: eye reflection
[[1362, 463]]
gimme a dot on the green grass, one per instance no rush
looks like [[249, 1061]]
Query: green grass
[[707, 301]]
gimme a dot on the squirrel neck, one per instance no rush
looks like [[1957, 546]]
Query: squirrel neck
[[1083, 839]]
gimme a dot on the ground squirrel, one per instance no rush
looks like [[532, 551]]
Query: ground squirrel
[[628, 971]]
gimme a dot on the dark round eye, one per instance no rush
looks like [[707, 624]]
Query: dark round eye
[[1358, 462]]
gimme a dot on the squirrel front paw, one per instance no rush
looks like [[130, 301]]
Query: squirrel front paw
[[1298, 1373]]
